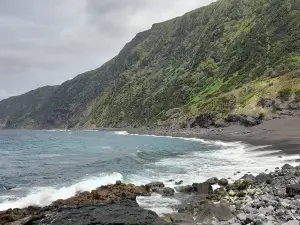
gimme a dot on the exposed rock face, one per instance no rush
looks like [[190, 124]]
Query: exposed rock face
[[245, 120], [204, 120]]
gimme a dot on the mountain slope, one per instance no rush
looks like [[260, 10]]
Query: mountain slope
[[18, 106], [219, 59]]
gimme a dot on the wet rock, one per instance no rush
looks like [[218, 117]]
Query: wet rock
[[202, 188], [185, 189], [165, 192], [178, 182], [293, 190], [105, 194], [168, 192], [212, 180], [125, 213], [118, 182], [154, 185], [223, 182]]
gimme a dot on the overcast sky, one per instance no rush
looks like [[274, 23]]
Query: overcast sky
[[45, 42]]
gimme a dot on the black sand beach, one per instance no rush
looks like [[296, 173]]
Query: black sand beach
[[281, 133]]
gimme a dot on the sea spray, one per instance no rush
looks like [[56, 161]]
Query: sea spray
[[42, 196]]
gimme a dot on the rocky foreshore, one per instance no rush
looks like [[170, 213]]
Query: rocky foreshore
[[268, 198]]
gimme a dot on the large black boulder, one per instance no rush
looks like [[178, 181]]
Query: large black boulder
[[126, 213], [202, 188], [223, 182], [212, 180]]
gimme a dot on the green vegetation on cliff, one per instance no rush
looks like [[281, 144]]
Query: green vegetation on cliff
[[222, 58], [17, 108]]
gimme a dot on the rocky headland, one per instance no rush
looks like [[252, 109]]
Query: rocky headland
[[269, 198]]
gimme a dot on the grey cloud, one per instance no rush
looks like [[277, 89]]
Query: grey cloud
[[49, 41]]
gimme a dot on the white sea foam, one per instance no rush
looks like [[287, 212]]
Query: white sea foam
[[121, 132], [42, 196], [44, 156], [56, 130], [232, 159], [229, 161], [218, 143], [90, 130], [106, 147], [157, 203]]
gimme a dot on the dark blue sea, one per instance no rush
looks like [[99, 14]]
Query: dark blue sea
[[43, 166]]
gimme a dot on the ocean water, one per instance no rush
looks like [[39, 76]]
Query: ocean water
[[44, 166]]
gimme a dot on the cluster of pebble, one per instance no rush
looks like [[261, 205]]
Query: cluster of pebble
[[267, 199]]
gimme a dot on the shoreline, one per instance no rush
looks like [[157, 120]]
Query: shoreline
[[277, 134], [236, 199], [268, 198]]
